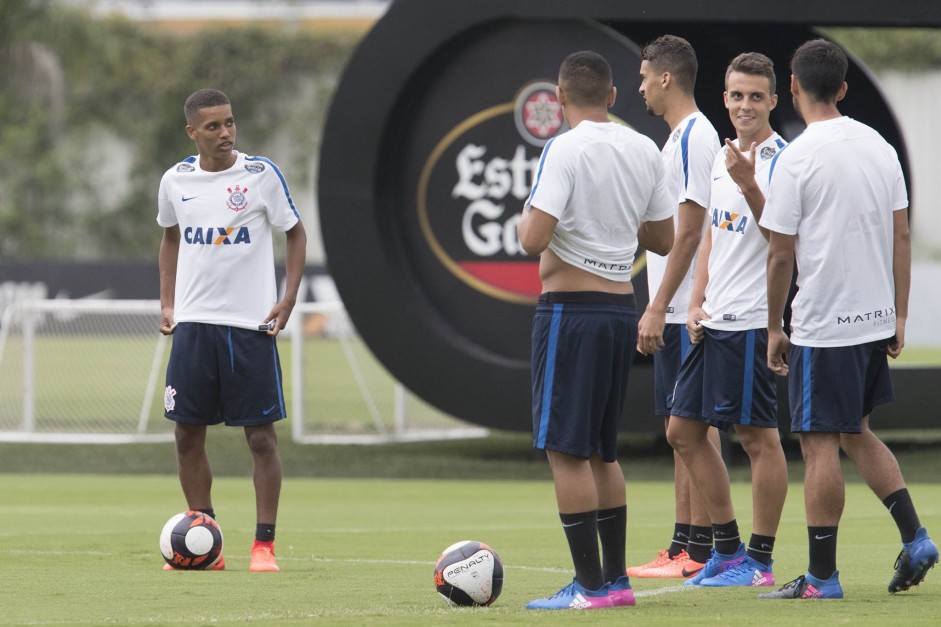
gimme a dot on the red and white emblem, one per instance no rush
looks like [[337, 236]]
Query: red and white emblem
[[537, 113], [237, 198]]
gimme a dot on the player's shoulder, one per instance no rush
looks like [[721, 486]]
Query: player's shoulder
[[186, 166], [258, 165]]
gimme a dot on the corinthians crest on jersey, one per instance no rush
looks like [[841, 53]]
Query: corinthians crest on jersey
[[237, 200]]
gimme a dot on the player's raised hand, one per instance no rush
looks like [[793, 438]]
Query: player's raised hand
[[741, 165]]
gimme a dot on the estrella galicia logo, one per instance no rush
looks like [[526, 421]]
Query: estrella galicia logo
[[216, 235], [767, 152], [538, 113], [255, 167], [185, 167], [472, 187], [237, 198]]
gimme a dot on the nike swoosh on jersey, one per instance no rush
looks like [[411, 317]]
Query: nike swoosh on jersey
[[265, 412], [723, 408], [184, 198]]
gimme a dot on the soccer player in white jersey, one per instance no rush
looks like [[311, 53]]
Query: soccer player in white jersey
[[599, 190], [218, 299], [837, 203], [668, 75], [725, 381]]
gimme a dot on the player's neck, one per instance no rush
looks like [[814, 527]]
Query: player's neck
[[680, 110], [758, 137], [208, 163], [575, 116]]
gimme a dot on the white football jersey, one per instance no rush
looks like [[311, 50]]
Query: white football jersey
[[836, 187], [737, 291], [687, 159], [600, 181], [225, 270]]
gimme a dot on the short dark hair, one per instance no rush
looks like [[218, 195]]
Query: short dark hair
[[669, 53], [202, 99], [820, 68], [585, 77], [756, 64]]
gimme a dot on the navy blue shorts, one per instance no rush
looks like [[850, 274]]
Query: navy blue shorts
[[725, 381], [666, 367], [223, 374], [831, 389], [583, 347]]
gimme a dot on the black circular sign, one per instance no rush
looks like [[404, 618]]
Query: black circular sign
[[427, 159]]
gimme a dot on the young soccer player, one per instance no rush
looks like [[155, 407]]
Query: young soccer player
[[724, 381], [218, 299], [837, 204], [598, 191], [668, 75]]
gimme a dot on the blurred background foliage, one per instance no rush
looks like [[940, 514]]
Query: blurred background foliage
[[91, 115]]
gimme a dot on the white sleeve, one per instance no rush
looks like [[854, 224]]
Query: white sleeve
[[661, 205], [280, 206], [700, 155], [166, 214], [782, 213], [553, 182]]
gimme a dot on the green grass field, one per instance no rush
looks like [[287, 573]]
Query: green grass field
[[82, 550]]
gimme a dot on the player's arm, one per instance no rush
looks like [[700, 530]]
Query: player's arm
[[166, 261], [780, 269], [698, 295], [650, 328], [741, 167], [535, 230], [656, 236], [295, 259], [902, 274]]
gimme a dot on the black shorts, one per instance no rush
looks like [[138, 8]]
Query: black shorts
[[666, 367], [831, 389], [725, 381], [583, 346], [223, 374]]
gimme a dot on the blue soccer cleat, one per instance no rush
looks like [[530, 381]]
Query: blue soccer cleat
[[717, 564], [574, 597], [748, 572], [913, 563], [809, 587]]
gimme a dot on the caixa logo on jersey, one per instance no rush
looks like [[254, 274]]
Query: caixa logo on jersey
[[472, 187]]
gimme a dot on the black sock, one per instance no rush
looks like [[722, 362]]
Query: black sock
[[264, 533], [700, 544], [680, 539], [612, 529], [581, 531], [209, 512], [760, 548], [903, 512], [727, 538], [822, 551]]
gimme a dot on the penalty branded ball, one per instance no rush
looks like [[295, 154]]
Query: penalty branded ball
[[469, 573], [191, 541]]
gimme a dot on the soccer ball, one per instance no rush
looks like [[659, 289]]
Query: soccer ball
[[191, 541], [469, 573]]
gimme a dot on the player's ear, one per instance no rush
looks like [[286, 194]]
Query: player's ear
[[190, 132], [774, 100], [612, 96], [840, 95]]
